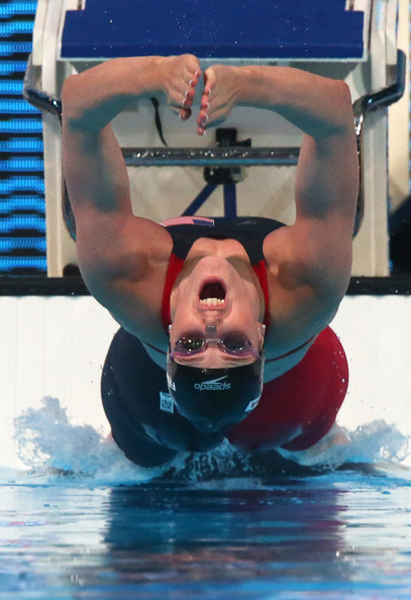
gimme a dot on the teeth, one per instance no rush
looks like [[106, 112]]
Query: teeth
[[211, 302]]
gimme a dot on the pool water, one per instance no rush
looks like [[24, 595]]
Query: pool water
[[82, 522], [337, 535]]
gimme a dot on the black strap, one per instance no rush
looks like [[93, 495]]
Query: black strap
[[157, 120]]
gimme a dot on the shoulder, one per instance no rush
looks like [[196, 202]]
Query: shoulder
[[127, 275], [311, 254], [128, 251], [307, 278]]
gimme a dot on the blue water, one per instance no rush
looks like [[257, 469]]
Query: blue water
[[250, 530]]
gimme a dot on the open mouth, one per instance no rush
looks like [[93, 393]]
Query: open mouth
[[212, 294]]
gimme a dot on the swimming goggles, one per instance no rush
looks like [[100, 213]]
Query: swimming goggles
[[195, 343]]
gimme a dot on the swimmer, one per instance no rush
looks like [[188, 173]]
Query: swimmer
[[223, 323]]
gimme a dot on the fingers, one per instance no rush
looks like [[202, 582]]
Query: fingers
[[204, 114], [187, 102], [194, 73], [182, 90], [202, 123], [185, 113]]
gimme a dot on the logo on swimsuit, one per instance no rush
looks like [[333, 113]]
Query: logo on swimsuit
[[166, 403], [213, 384]]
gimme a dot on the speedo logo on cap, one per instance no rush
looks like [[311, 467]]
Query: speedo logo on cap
[[213, 385]]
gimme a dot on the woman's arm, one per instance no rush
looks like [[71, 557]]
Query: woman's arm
[[318, 247], [110, 241]]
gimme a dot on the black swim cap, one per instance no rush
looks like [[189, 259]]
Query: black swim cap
[[215, 399]]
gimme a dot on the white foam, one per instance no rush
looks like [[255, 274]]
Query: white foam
[[51, 445], [374, 443]]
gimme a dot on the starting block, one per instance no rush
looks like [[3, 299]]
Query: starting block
[[210, 29], [353, 40]]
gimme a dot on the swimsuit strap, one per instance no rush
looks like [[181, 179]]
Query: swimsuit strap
[[174, 267], [260, 270]]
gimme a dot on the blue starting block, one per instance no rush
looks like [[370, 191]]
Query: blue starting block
[[351, 40], [264, 29]]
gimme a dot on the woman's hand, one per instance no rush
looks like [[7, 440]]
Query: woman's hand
[[221, 89], [179, 80]]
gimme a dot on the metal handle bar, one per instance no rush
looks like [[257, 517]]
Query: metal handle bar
[[201, 157], [366, 104], [35, 96]]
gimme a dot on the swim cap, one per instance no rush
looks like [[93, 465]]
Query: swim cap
[[215, 399]]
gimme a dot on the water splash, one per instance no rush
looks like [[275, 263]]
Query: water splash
[[376, 443], [52, 448]]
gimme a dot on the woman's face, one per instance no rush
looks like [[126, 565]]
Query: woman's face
[[216, 300]]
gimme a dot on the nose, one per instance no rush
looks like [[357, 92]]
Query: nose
[[211, 323]]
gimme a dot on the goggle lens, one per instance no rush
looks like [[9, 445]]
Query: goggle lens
[[190, 344], [232, 344]]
